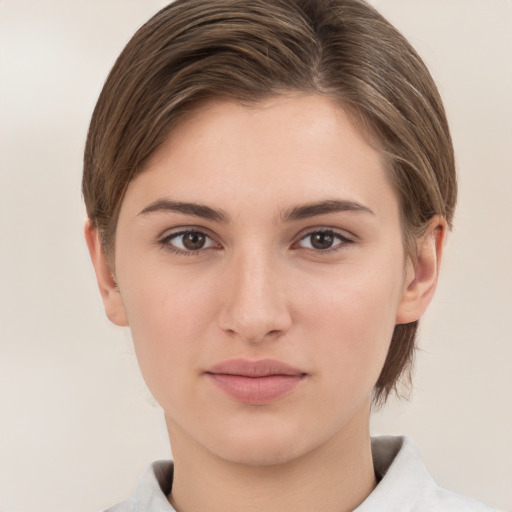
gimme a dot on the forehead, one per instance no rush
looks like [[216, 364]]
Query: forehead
[[295, 148]]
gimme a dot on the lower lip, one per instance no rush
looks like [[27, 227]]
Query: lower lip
[[255, 390]]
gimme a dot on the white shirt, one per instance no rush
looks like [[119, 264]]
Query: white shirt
[[405, 485]]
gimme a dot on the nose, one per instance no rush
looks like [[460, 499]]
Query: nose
[[254, 307]]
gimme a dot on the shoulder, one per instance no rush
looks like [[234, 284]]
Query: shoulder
[[124, 506], [406, 485], [151, 492], [451, 501]]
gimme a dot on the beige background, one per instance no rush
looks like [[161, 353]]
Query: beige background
[[77, 425]]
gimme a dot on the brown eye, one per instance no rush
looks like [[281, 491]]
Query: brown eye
[[194, 240], [188, 241], [322, 240]]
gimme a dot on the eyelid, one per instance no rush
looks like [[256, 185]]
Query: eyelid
[[343, 236], [164, 240], [177, 230], [342, 233]]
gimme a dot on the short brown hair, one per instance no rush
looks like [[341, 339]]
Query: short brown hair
[[196, 50]]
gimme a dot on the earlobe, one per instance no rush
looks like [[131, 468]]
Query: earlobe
[[112, 301], [421, 276]]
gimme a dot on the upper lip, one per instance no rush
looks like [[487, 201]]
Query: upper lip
[[257, 368]]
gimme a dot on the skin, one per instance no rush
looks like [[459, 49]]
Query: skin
[[259, 289]]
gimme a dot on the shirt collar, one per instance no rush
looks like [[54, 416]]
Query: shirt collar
[[404, 479], [404, 485]]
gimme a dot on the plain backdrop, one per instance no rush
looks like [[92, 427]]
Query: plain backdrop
[[77, 425]]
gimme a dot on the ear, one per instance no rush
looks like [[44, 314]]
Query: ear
[[421, 276], [114, 307]]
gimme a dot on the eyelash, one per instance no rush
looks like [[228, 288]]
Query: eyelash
[[165, 242], [343, 241]]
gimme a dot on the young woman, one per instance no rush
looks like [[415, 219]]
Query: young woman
[[269, 185]]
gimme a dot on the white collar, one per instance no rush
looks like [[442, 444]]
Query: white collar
[[405, 485]]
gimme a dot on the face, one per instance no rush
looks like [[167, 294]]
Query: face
[[260, 266]]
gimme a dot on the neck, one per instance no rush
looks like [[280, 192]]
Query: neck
[[334, 477]]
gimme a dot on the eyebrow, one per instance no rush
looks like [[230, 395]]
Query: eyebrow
[[197, 210], [291, 214], [322, 208]]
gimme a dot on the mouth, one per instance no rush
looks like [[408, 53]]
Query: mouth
[[255, 382]]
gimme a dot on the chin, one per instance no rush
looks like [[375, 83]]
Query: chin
[[260, 445], [259, 454]]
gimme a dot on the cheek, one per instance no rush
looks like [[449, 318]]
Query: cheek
[[352, 317], [169, 314]]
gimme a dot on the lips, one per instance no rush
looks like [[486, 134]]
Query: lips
[[255, 382]]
